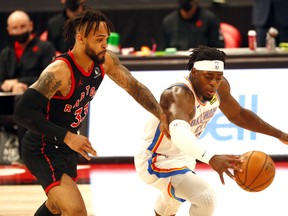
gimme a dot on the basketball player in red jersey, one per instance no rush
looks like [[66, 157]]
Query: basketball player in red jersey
[[55, 105]]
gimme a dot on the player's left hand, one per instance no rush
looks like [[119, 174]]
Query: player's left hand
[[164, 125]]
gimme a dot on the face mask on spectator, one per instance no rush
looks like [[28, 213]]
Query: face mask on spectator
[[21, 38]]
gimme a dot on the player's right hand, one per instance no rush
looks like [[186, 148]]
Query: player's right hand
[[80, 144], [222, 163]]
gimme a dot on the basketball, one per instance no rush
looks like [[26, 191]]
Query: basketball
[[258, 171]]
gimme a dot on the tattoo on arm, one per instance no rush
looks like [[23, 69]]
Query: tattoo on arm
[[144, 97], [48, 85], [122, 76], [68, 87]]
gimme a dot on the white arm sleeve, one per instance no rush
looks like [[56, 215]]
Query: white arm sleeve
[[185, 140]]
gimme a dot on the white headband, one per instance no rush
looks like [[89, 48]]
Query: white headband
[[207, 65]]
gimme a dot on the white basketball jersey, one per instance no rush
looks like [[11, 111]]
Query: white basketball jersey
[[162, 148]]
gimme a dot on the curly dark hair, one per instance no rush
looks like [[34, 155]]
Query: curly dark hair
[[205, 53], [90, 17]]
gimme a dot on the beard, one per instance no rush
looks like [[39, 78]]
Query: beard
[[94, 56]]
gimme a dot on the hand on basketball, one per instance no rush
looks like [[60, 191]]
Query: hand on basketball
[[258, 171], [222, 163], [80, 144]]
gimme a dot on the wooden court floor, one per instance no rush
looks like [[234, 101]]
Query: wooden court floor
[[115, 190]]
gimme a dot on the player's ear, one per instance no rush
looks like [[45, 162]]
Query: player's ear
[[79, 38], [193, 73]]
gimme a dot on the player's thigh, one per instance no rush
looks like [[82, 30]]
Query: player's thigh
[[188, 185], [66, 195]]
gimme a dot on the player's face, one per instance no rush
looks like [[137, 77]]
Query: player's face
[[93, 55], [96, 44], [206, 83]]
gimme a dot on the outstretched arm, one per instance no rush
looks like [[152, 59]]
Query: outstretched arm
[[179, 105], [122, 77], [245, 118]]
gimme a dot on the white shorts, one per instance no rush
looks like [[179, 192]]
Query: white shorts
[[161, 178]]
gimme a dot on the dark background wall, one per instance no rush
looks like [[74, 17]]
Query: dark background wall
[[137, 21]]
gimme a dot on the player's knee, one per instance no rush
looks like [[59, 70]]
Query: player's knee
[[203, 203]]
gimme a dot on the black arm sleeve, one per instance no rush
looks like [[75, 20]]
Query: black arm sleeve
[[30, 113]]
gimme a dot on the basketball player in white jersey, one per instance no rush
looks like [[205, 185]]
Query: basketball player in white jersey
[[168, 164]]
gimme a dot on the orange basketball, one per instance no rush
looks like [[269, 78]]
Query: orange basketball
[[258, 171]]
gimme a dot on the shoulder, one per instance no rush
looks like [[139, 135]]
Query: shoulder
[[111, 60], [177, 91], [60, 63], [59, 68], [178, 96], [224, 88], [55, 78]]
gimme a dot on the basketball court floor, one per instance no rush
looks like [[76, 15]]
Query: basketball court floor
[[114, 189]]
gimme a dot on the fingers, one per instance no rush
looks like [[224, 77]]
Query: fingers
[[164, 126], [230, 174], [222, 178], [234, 162], [80, 144], [227, 173], [165, 131], [235, 158], [225, 163], [237, 168], [85, 155], [89, 149], [234, 166]]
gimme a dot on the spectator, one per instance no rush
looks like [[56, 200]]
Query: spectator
[[270, 13], [55, 24], [189, 26], [22, 61]]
